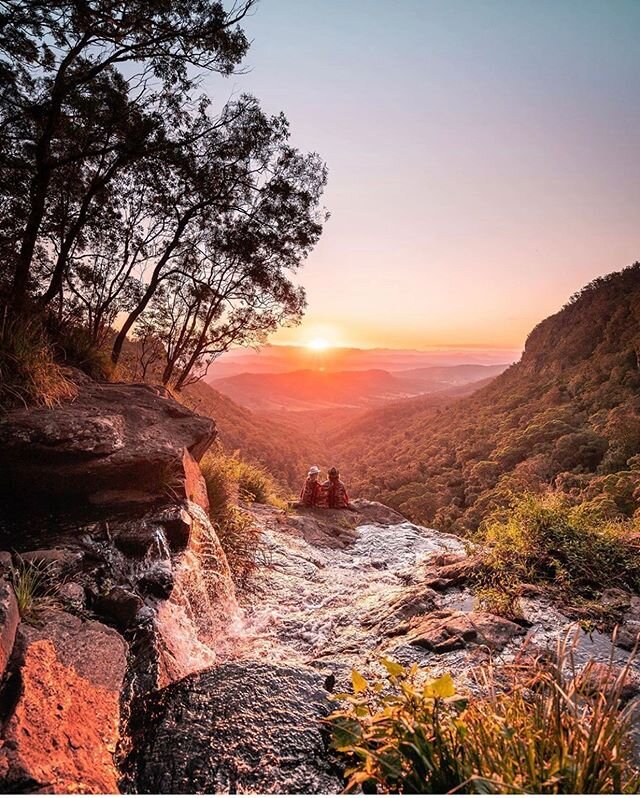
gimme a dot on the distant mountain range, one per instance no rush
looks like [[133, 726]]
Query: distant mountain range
[[280, 359], [319, 389]]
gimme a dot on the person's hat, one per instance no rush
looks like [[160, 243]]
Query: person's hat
[[314, 470]]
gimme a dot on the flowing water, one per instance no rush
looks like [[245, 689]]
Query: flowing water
[[308, 604]]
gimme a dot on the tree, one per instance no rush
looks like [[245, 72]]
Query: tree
[[139, 59]]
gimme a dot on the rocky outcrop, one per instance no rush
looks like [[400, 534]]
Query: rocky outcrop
[[63, 696], [115, 445], [446, 630], [9, 619], [245, 727]]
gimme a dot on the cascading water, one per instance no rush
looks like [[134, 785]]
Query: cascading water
[[196, 623]]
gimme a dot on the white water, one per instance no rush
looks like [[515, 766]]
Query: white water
[[308, 604]]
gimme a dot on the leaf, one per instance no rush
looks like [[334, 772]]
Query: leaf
[[358, 681], [443, 687], [392, 668]]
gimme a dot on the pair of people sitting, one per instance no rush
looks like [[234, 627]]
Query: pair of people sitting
[[331, 494]]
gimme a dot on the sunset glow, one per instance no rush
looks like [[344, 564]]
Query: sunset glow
[[319, 344], [443, 228]]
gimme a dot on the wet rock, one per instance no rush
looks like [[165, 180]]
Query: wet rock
[[9, 620], [611, 680], [157, 581], [394, 617], [177, 524], [119, 605], [245, 727], [446, 630], [73, 595], [324, 528], [194, 486], [377, 513], [112, 437], [136, 538], [61, 731], [6, 561]]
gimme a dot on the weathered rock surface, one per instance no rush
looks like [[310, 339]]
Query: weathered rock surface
[[111, 442], [240, 728], [446, 630], [9, 620], [61, 729]]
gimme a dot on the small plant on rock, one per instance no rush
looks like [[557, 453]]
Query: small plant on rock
[[35, 586]]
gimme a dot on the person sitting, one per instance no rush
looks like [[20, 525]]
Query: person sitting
[[335, 493], [311, 493]]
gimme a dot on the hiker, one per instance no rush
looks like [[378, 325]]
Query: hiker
[[334, 492], [311, 493]]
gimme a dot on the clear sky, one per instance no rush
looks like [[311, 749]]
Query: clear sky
[[484, 158]]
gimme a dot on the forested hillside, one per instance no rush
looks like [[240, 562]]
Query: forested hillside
[[566, 416], [281, 448]]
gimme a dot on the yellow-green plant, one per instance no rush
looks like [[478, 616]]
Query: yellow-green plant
[[545, 539], [409, 733], [34, 585]]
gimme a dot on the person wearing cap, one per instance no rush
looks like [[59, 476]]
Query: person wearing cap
[[311, 493], [334, 492]]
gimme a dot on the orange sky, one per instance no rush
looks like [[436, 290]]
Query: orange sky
[[484, 158]]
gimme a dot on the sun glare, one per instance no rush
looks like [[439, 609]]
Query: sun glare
[[318, 344]]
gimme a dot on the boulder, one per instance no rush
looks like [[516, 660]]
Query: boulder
[[243, 727], [62, 729], [446, 630], [112, 440], [157, 580], [120, 605], [9, 620]]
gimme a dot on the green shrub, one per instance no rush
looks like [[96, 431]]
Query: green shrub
[[75, 347], [576, 550], [29, 374], [229, 480], [545, 734]]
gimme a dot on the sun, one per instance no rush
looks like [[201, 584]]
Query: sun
[[318, 344]]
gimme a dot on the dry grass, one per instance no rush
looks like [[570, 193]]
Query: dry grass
[[29, 374]]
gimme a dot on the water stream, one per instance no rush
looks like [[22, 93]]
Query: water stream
[[308, 604]]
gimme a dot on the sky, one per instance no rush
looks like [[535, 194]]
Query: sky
[[483, 156]]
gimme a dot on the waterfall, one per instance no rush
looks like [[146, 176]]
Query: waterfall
[[196, 624]]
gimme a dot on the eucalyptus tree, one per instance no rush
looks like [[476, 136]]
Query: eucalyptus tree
[[134, 64]]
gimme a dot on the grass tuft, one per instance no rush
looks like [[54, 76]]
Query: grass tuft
[[35, 586], [29, 374]]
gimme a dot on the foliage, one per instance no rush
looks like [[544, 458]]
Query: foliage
[[573, 549], [567, 416], [274, 445], [230, 480], [124, 194], [34, 585], [29, 373], [547, 733]]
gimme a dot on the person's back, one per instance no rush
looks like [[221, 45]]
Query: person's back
[[334, 492], [311, 493]]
